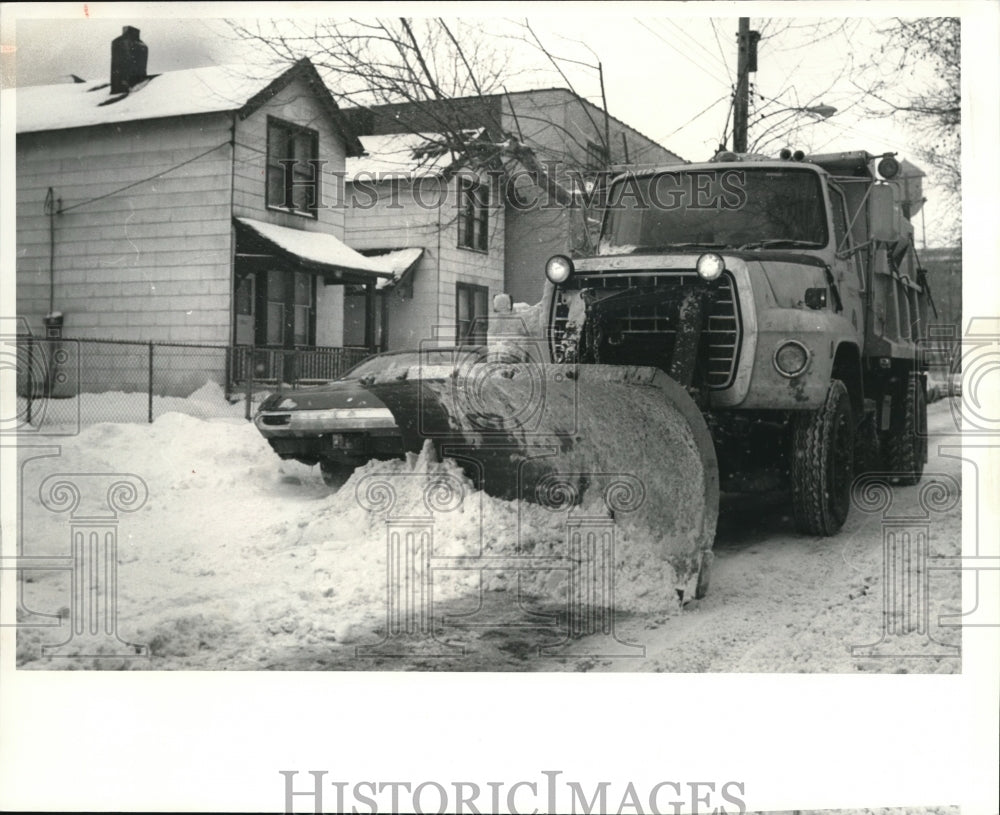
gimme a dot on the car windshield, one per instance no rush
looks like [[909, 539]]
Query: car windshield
[[728, 208], [408, 359]]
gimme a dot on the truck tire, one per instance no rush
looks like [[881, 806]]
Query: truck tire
[[823, 464], [867, 456], [905, 443]]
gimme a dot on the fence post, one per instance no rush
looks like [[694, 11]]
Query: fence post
[[150, 382], [250, 365], [228, 374], [31, 378]]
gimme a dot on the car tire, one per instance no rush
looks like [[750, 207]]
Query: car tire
[[335, 473], [823, 464], [905, 443]]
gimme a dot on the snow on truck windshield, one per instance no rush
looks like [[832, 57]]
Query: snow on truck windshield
[[728, 208]]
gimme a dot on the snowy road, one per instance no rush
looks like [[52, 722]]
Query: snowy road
[[238, 561]]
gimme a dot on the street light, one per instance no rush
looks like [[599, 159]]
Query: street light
[[821, 110]]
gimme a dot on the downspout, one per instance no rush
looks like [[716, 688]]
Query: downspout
[[51, 207], [437, 318], [232, 234], [231, 362]]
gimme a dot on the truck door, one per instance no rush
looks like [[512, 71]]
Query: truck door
[[847, 268]]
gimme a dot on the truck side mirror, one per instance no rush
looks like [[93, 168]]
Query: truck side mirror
[[882, 207]]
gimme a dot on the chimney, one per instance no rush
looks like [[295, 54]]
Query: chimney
[[128, 60]]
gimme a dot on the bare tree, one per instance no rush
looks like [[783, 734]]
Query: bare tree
[[931, 48], [438, 72]]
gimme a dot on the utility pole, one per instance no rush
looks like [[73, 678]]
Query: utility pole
[[746, 63]]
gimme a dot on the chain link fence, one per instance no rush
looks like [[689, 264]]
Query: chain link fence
[[67, 381]]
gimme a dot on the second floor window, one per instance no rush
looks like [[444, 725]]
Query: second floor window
[[474, 216], [292, 167]]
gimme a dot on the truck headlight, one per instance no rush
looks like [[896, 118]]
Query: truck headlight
[[558, 269], [710, 266], [791, 358]]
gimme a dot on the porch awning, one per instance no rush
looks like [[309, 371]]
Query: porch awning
[[317, 252], [399, 262]]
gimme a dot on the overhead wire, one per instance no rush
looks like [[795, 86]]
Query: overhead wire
[[677, 50]]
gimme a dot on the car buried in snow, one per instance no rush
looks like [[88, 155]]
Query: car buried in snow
[[341, 425]]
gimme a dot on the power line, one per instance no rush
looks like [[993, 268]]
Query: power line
[[722, 52], [694, 62], [697, 115], [698, 45], [144, 180]]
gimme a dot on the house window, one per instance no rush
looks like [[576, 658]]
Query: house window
[[289, 308], [293, 168], [471, 315], [597, 156], [473, 216]]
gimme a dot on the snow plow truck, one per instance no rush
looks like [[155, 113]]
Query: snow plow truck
[[745, 324]]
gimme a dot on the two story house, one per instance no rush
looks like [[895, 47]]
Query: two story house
[[573, 140], [194, 206]]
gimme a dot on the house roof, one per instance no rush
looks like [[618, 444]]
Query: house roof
[[534, 92], [214, 89], [409, 155], [399, 262], [318, 251]]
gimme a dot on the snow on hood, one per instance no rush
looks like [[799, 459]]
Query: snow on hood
[[212, 89]]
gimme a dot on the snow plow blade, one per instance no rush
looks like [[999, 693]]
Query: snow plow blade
[[559, 435]]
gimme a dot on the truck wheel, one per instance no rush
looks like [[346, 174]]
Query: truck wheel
[[335, 473], [866, 446], [905, 444], [823, 464]]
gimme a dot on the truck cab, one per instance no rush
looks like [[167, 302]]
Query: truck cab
[[784, 294]]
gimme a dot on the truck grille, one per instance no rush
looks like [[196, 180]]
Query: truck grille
[[646, 331]]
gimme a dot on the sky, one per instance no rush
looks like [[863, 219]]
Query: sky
[[668, 68]]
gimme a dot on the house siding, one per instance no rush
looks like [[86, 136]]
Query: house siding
[[151, 262], [398, 220], [295, 104], [557, 125]]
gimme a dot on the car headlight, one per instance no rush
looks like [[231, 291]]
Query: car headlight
[[710, 266], [558, 269], [791, 358]]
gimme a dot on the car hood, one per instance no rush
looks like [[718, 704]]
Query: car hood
[[341, 394]]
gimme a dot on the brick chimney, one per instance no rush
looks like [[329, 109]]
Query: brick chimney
[[128, 60]]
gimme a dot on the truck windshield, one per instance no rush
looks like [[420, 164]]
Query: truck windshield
[[749, 208]]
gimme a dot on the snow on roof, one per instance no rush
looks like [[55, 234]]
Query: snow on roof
[[404, 154], [175, 93], [320, 248], [398, 262]]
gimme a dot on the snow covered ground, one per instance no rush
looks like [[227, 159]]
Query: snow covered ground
[[237, 560]]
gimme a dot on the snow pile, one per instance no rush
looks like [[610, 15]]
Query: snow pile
[[237, 560], [63, 415]]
